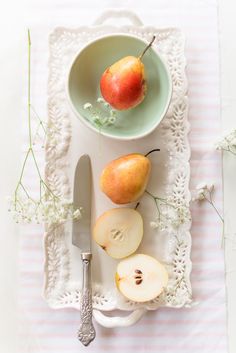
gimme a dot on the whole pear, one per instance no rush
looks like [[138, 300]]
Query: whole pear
[[123, 84], [124, 180]]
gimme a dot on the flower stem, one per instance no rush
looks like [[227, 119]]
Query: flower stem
[[36, 164], [212, 204], [156, 203], [48, 207], [23, 167], [41, 122], [159, 199], [29, 86], [233, 152]]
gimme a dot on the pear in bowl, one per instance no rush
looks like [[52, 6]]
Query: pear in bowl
[[123, 84]]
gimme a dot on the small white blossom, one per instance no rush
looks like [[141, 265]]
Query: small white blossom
[[203, 190], [153, 225], [48, 209], [77, 214], [87, 106], [100, 117], [228, 142], [171, 214], [201, 186], [158, 224], [104, 120], [112, 119], [221, 145], [210, 187], [100, 100], [96, 119], [233, 141]]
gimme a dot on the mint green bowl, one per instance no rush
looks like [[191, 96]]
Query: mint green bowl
[[84, 85]]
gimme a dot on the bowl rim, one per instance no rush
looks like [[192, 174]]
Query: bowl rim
[[89, 125]]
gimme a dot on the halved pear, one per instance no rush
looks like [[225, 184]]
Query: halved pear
[[119, 231], [141, 277]]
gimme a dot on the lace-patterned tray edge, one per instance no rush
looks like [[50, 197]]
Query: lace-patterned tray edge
[[56, 266]]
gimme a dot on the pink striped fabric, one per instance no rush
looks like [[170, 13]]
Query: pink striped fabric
[[201, 329]]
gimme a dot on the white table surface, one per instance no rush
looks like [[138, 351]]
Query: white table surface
[[12, 38]]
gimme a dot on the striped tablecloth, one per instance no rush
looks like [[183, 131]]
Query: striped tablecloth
[[201, 329]]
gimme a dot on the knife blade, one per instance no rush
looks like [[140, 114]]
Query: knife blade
[[82, 199], [81, 238]]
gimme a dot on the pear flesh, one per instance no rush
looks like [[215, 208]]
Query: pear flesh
[[141, 277], [119, 231]]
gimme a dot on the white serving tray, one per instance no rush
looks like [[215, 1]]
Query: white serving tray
[[170, 176]]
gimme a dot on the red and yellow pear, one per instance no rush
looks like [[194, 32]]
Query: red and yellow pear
[[123, 84], [124, 180]]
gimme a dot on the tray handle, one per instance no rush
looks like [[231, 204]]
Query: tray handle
[[118, 321], [132, 17]]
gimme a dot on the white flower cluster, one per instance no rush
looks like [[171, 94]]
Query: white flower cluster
[[170, 215], [49, 210], [228, 142], [48, 207], [203, 191], [97, 117]]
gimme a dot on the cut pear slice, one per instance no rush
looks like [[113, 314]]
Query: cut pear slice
[[141, 277], [119, 231]]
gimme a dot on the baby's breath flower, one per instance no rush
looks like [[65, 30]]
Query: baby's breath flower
[[227, 142], [170, 213], [112, 119], [201, 186], [100, 118], [153, 225], [50, 210], [48, 207], [100, 100], [87, 106], [203, 192], [104, 120], [77, 214]]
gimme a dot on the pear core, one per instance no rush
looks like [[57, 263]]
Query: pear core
[[119, 231], [141, 277]]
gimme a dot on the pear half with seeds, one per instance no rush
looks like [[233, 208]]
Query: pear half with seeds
[[141, 277], [119, 231]]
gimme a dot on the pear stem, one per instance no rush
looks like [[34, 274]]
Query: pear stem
[[155, 150], [147, 47]]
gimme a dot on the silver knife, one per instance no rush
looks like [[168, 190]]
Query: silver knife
[[81, 235]]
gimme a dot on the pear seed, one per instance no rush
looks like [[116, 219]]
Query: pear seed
[[138, 271]]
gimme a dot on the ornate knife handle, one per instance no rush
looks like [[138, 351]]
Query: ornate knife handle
[[86, 332]]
